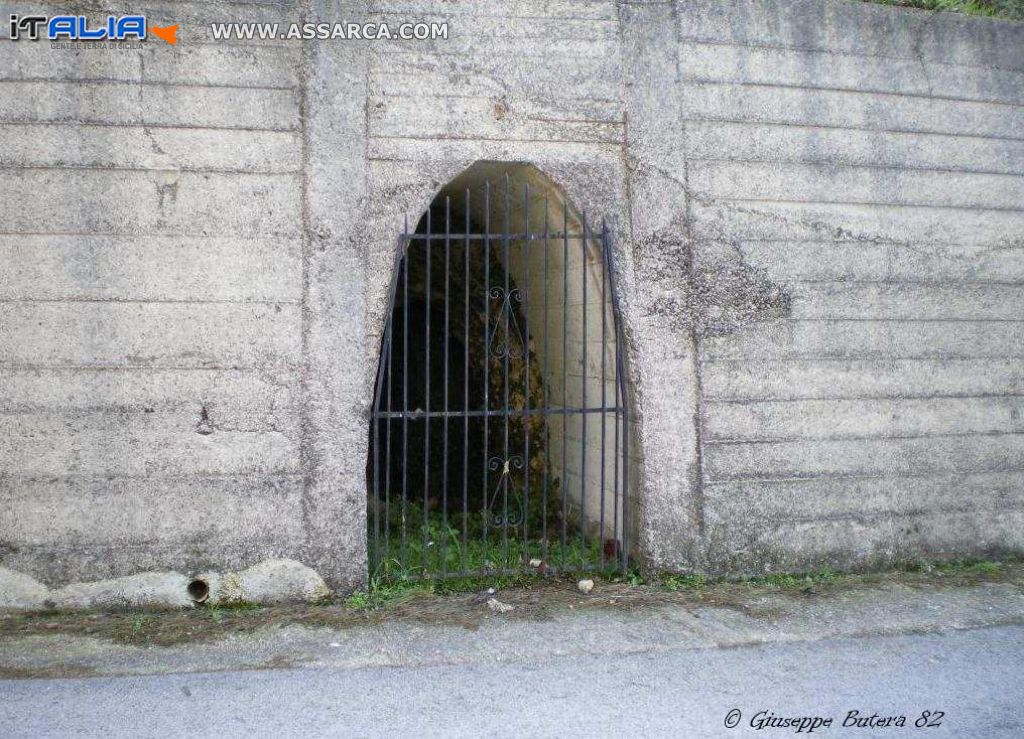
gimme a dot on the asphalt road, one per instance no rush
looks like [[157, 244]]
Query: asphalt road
[[974, 678]]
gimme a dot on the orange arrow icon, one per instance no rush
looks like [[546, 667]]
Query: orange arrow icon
[[167, 33]]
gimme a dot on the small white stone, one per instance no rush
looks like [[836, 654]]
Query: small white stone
[[585, 586], [498, 607]]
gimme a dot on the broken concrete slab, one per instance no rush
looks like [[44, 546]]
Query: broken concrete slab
[[19, 591]]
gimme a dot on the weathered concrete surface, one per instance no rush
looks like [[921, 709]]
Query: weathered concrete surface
[[21, 592], [816, 215], [145, 590], [270, 581]]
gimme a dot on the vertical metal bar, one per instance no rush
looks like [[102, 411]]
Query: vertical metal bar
[[625, 459], [583, 416], [444, 443], [508, 351], [618, 399], [399, 262], [375, 416], [465, 399], [405, 395], [387, 437], [620, 371], [426, 400], [565, 375], [604, 342], [487, 358], [384, 368], [545, 381], [526, 369]]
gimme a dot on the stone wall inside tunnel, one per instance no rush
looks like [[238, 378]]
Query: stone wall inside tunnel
[[814, 214]]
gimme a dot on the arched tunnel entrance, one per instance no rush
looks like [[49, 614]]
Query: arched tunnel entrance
[[498, 437]]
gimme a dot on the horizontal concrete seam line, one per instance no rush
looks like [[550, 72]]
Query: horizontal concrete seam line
[[192, 476], [115, 168], [836, 52], [952, 282], [982, 396], [861, 355], [156, 301], [383, 94], [148, 409], [874, 515], [141, 82], [595, 121], [868, 437], [855, 165], [868, 203], [866, 91], [77, 83], [610, 124], [832, 127], [948, 476], [156, 546], [143, 124], [607, 38], [500, 139], [872, 362], [507, 42], [810, 319], [260, 239], [719, 82], [165, 232], [227, 539], [99, 367], [1005, 244], [814, 477], [805, 398], [492, 54]]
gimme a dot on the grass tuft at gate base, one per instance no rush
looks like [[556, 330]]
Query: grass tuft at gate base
[[436, 548]]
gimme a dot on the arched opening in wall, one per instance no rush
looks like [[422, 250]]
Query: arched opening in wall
[[498, 438]]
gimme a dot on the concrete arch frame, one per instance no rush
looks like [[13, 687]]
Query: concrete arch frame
[[661, 519], [350, 270]]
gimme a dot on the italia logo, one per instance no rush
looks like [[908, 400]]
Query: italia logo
[[79, 28]]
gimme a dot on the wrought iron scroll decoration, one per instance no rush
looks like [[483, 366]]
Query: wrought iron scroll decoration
[[505, 347]]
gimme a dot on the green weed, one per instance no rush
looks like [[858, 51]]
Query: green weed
[[1009, 9]]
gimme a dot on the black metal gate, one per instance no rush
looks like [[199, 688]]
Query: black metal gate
[[499, 429]]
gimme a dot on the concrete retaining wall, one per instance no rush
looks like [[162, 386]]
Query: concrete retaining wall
[[817, 222]]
